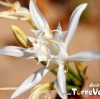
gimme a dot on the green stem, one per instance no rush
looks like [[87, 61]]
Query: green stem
[[53, 71], [80, 69], [74, 73], [73, 79]]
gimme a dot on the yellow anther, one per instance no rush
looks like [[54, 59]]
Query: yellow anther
[[43, 33], [51, 32], [40, 45], [35, 42], [21, 37], [47, 47], [13, 9], [49, 40]]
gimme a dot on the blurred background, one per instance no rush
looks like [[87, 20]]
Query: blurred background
[[13, 71]]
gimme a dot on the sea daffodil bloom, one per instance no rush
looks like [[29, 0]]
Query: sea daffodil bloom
[[16, 11], [53, 51], [43, 89]]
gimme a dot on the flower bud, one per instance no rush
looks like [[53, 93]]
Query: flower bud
[[21, 37]]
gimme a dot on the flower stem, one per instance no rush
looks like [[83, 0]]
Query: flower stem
[[44, 63], [74, 73]]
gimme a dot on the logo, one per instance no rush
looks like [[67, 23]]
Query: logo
[[93, 91]]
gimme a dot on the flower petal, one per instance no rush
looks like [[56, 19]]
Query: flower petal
[[59, 27], [42, 53], [16, 51], [36, 32], [31, 39], [8, 16], [12, 51], [59, 34], [16, 11], [5, 4], [60, 83], [31, 81], [73, 23], [85, 56], [37, 17]]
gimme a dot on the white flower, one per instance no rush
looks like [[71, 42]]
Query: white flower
[[16, 11], [43, 89], [50, 48]]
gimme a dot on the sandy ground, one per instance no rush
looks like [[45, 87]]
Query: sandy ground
[[13, 71]]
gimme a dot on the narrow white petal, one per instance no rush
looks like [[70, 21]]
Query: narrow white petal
[[73, 23], [85, 56], [54, 47], [59, 27], [65, 32], [60, 82], [31, 39], [16, 51], [58, 88], [42, 53], [37, 17], [31, 81], [59, 34], [5, 4], [23, 12], [8, 16], [36, 32], [30, 53], [12, 51]]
